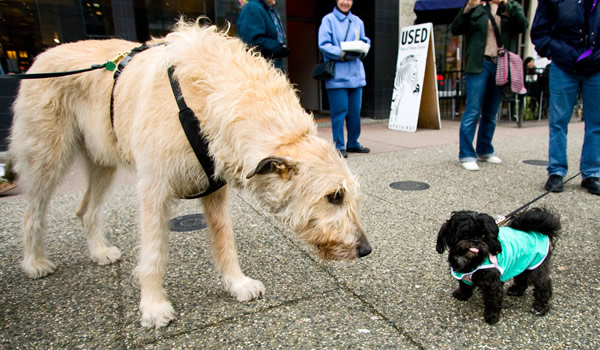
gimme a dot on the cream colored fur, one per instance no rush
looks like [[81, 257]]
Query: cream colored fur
[[260, 138]]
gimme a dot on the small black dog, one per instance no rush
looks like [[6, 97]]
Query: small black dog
[[483, 256]]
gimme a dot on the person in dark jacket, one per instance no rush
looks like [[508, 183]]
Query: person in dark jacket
[[567, 33], [481, 52], [259, 24]]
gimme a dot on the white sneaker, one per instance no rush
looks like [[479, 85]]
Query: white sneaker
[[492, 159], [472, 166]]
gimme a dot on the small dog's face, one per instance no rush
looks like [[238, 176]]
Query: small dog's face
[[469, 237]]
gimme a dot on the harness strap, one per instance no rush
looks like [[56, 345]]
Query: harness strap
[[191, 127], [126, 58]]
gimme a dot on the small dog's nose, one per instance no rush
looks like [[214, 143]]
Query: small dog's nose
[[364, 249]]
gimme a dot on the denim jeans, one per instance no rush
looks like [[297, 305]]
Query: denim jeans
[[345, 104], [563, 96], [483, 99]]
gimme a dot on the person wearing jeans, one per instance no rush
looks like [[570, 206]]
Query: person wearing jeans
[[344, 89], [567, 32], [483, 98], [345, 105], [481, 54]]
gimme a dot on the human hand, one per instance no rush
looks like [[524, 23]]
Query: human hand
[[284, 52], [348, 56], [474, 3]]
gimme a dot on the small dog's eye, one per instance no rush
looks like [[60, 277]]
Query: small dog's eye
[[335, 198]]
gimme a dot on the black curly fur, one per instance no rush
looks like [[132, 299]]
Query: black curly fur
[[539, 220], [468, 229]]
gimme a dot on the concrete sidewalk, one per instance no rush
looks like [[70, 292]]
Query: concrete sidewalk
[[399, 297]]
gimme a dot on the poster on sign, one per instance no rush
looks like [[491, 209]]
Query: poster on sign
[[415, 97]]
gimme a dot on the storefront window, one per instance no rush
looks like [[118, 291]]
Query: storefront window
[[28, 27]]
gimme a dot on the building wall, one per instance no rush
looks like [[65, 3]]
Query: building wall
[[381, 65], [406, 13]]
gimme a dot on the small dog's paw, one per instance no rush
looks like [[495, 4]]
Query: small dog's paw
[[515, 291], [244, 289], [156, 315], [38, 268], [106, 255], [458, 294], [492, 319], [540, 310]]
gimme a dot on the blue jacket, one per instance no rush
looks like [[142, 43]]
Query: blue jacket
[[334, 26], [256, 28], [559, 33]]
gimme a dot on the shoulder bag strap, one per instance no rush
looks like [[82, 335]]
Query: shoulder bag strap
[[496, 30], [347, 30]]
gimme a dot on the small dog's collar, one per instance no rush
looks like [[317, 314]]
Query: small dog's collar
[[494, 261]]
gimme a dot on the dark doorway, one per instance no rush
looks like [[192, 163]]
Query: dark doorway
[[303, 21]]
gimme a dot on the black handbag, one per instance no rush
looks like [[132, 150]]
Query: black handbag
[[324, 70]]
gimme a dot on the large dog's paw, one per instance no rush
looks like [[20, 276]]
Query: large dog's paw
[[156, 314], [106, 255], [245, 288], [38, 268]]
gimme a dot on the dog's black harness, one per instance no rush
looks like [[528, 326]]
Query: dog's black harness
[[123, 60], [191, 127], [188, 120]]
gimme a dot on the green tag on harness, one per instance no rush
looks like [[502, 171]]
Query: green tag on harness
[[110, 65]]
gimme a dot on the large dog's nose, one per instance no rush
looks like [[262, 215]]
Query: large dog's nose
[[364, 249]]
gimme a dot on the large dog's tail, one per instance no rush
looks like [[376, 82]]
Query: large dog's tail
[[539, 220]]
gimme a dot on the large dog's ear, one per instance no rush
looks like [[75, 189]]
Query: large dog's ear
[[269, 165], [491, 229], [441, 245]]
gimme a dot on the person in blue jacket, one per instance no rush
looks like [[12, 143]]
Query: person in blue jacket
[[567, 32], [259, 24], [344, 89]]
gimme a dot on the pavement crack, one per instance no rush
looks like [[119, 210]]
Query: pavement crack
[[344, 287], [236, 318]]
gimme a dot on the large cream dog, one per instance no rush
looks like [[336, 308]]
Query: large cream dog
[[259, 136]]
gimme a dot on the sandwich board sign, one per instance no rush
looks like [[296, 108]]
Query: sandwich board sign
[[415, 97]]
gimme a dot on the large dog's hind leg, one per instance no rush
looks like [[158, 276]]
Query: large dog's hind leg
[[154, 254], [41, 165], [90, 214], [35, 263], [226, 260]]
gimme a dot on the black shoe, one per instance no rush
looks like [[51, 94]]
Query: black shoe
[[592, 184], [343, 153], [554, 183], [360, 149]]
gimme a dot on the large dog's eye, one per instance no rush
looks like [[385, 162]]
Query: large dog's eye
[[335, 197]]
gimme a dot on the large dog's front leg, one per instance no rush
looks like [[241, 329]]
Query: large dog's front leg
[[154, 253], [236, 283]]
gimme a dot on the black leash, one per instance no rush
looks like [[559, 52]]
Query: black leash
[[55, 74], [191, 127], [109, 65], [503, 219]]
